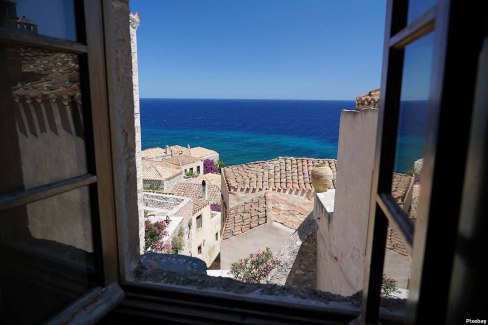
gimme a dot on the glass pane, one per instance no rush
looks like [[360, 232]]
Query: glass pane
[[409, 154], [417, 8], [413, 109], [41, 118], [46, 256], [54, 18], [396, 273]]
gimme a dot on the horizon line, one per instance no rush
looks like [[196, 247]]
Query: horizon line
[[200, 98]]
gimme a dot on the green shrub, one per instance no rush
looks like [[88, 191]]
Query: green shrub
[[152, 187], [256, 268], [191, 174], [177, 244], [388, 287]]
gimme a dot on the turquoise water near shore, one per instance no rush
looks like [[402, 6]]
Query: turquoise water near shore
[[242, 147], [252, 130], [245, 130]]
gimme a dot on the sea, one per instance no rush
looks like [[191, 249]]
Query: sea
[[243, 131]]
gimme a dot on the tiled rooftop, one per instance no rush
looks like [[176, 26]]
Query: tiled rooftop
[[194, 191], [153, 152], [201, 152], [178, 150], [262, 209], [214, 179], [52, 76], [285, 175], [158, 170], [400, 186], [182, 160], [369, 100]]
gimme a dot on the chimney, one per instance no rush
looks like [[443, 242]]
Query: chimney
[[204, 190], [189, 151]]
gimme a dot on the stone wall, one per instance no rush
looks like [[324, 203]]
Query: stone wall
[[341, 242], [127, 184], [169, 183], [369, 100], [134, 23], [160, 201], [153, 184], [299, 257]]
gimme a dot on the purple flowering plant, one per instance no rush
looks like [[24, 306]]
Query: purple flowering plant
[[209, 167]]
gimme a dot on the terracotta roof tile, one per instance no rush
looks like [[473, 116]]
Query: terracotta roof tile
[[285, 175], [201, 152], [194, 191], [51, 75], [182, 160], [153, 152], [158, 170], [400, 185], [369, 100], [214, 179], [399, 189], [178, 150], [262, 209]]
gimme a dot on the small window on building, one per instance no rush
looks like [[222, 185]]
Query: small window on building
[[216, 236], [200, 250], [199, 222], [198, 169], [191, 170]]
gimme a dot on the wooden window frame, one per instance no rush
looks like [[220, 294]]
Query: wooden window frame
[[432, 242], [170, 303], [90, 51]]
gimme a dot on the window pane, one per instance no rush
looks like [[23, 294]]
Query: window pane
[[46, 256], [41, 118], [54, 18], [409, 154], [413, 116], [417, 8]]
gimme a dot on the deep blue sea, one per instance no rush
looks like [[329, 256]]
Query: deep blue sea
[[247, 130]]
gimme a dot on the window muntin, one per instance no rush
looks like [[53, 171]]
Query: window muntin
[[47, 256], [417, 8]]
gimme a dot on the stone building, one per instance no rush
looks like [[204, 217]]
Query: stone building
[[188, 164], [342, 219], [269, 204], [204, 153], [290, 176], [204, 227], [160, 175], [176, 210]]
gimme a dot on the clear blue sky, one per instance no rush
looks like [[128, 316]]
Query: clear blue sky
[[262, 49]]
